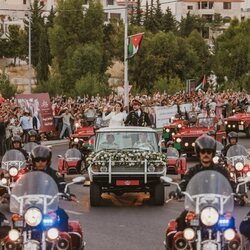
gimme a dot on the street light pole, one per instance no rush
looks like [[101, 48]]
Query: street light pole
[[30, 69], [126, 96]]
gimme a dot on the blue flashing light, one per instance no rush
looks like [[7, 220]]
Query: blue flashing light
[[223, 222], [48, 221]]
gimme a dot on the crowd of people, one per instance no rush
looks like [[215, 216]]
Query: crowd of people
[[110, 111]]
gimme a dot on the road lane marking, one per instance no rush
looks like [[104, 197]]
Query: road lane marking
[[73, 212]]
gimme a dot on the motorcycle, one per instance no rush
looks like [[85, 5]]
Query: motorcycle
[[71, 163], [209, 224], [237, 159], [28, 147], [13, 166], [34, 204]]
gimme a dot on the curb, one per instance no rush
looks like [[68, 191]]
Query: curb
[[55, 143]]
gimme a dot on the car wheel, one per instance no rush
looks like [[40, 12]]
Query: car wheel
[[158, 194], [248, 131], [95, 194]]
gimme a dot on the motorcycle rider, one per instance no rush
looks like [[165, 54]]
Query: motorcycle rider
[[170, 144], [33, 136], [232, 139], [17, 144], [205, 148], [245, 232], [41, 161]]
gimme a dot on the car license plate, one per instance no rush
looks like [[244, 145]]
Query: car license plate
[[241, 127], [127, 183]]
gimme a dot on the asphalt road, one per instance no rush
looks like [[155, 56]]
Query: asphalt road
[[126, 222]]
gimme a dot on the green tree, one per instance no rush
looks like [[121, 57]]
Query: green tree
[[7, 89], [43, 58], [170, 86], [168, 22], [138, 13], [158, 16]]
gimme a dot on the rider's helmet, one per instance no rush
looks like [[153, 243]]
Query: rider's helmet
[[42, 153], [75, 143], [16, 139], [170, 143], [205, 142], [232, 135], [32, 135]]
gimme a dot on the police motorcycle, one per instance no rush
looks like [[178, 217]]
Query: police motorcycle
[[13, 166], [238, 161], [219, 157], [28, 148], [209, 225], [33, 204]]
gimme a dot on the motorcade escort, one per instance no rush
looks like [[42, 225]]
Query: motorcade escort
[[126, 159], [239, 122], [184, 140]]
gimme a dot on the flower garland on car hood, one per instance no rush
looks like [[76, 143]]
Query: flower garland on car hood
[[127, 158]]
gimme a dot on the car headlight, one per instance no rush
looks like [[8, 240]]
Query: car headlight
[[53, 233], [13, 235], [103, 169], [193, 144], [76, 140], [167, 130], [209, 216], [186, 144], [241, 122], [189, 234], [226, 122], [229, 234], [229, 125], [13, 171], [239, 166], [216, 160], [178, 140], [233, 126], [179, 125], [33, 217], [151, 168]]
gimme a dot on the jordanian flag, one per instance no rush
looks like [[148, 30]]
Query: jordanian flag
[[134, 43]]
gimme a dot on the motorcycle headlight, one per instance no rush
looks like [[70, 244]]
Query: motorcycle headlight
[[178, 140], [189, 234], [173, 133], [216, 160], [53, 233], [77, 125], [209, 216], [13, 235], [167, 130], [13, 171], [33, 217], [4, 181], [239, 166], [229, 234], [179, 126]]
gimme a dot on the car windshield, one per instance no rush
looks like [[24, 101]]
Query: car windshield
[[31, 191], [209, 184], [12, 158], [73, 153], [219, 146], [127, 140], [29, 146], [172, 153], [206, 122]]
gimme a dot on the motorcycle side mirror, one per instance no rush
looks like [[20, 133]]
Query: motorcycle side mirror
[[166, 179], [79, 179], [59, 156], [184, 155]]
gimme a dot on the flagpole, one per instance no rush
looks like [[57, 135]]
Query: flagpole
[[126, 96]]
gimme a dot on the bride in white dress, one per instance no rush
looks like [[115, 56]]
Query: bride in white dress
[[116, 117]]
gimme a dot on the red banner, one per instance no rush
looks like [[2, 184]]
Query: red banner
[[40, 106]]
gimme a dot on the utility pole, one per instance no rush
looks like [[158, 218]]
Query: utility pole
[[126, 96], [30, 68]]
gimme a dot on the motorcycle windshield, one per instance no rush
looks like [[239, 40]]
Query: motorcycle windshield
[[34, 189], [12, 158], [29, 146], [73, 153], [172, 153], [209, 185], [237, 150], [219, 146]]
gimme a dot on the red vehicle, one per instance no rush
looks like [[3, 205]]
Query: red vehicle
[[240, 122], [185, 139], [171, 129], [176, 164], [82, 135], [71, 163]]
